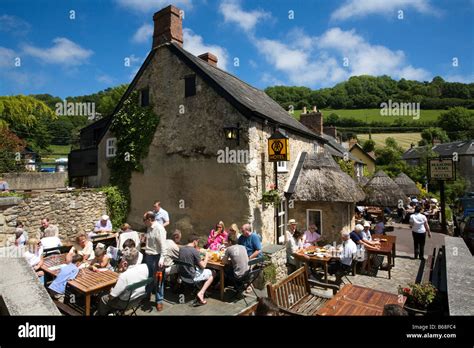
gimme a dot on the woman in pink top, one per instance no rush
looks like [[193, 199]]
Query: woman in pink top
[[217, 237], [311, 236]]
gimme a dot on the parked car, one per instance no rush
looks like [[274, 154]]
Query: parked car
[[467, 231]]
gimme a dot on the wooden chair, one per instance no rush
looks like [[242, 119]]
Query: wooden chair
[[293, 294]]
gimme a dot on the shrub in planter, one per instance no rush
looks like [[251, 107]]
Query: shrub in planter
[[420, 297]]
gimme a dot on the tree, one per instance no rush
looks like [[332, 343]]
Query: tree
[[432, 133], [368, 145], [458, 123], [10, 146]]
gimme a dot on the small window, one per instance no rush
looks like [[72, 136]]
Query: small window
[[145, 97], [315, 217], [282, 167], [111, 147], [190, 86]]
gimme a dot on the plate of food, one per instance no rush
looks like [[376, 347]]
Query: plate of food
[[383, 240]]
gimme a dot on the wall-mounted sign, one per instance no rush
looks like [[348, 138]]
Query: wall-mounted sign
[[278, 149], [441, 169]]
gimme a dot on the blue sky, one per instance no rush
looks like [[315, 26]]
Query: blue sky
[[314, 43]]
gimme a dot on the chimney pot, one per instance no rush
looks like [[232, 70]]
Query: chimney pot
[[209, 58], [168, 26], [314, 121], [304, 109], [315, 109]]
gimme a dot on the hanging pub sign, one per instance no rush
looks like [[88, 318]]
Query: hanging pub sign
[[278, 149], [441, 168]]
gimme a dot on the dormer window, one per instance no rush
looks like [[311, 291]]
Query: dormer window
[[189, 86], [145, 97]]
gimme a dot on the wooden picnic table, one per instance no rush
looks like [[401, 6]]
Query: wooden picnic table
[[357, 300], [87, 282], [390, 239], [386, 249], [315, 259], [218, 266]]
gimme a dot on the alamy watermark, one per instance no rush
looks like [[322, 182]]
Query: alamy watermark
[[400, 109], [233, 156], [75, 109]]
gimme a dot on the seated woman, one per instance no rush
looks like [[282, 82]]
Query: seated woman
[[293, 245], [217, 237], [127, 233], [234, 229], [101, 260], [20, 239], [34, 256], [311, 236], [82, 247]]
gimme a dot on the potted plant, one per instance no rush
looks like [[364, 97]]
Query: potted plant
[[420, 298], [272, 196]]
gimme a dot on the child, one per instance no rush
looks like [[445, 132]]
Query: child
[[69, 272], [101, 260]]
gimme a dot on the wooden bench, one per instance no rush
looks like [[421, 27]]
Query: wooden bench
[[293, 294], [66, 309], [428, 268]]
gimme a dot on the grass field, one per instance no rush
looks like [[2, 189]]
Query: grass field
[[369, 115], [403, 139], [58, 151]]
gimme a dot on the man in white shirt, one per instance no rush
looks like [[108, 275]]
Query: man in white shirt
[[419, 227], [130, 273], [172, 252], [46, 225], [349, 249], [155, 251], [50, 240]]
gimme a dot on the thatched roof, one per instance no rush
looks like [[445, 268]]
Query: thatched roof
[[382, 191], [407, 185], [362, 180], [322, 180]]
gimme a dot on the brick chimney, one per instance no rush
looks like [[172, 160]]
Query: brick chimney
[[209, 57], [168, 26], [313, 120], [331, 131]]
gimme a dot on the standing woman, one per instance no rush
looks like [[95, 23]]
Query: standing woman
[[419, 227], [217, 237]]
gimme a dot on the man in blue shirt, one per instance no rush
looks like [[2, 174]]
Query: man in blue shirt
[[251, 242], [161, 215], [68, 272]]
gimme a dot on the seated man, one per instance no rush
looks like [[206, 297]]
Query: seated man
[[197, 271], [236, 257], [349, 251], [172, 252], [104, 225], [251, 242], [68, 272], [130, 273], [44, 225], [362, 244], [50, 240]]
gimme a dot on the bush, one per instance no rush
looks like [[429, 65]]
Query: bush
[[117, 205], [269, 273]]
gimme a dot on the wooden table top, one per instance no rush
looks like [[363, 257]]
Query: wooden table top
[[391, 239], [300, 255], [88, 281], [385, 247], [357, 300]]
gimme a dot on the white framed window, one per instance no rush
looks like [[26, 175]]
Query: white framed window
[[282, 167], [111, 147], [315, 216]]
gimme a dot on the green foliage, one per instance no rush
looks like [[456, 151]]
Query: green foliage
[[269, 273], [455, 189], [429, 134], [419, 296], [117, 205], [134, 127], [458, 123], [368, 145], [347, 167], [10, 144], [270, 197]]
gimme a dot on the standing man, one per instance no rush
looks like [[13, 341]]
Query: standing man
[[161, 215], [155, 251], [419, 227]]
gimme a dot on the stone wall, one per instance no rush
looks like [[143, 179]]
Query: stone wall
[[71, 211], [35, 181]]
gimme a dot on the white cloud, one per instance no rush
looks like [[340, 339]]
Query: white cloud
[[7, 57], [14, 25], [194, 44], [247, 20], [64, 51], [321, 62], [151, 5], [143, 34], [105, 79], [363, 8], [460, 78]]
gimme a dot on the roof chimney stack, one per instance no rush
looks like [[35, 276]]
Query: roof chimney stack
[[313, 120], [209, 57], [168, 26]]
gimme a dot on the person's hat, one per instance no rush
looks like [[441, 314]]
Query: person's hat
[[359, 228], [434, 200], [414, 200], [100, 246], [105, 217], [366, 224], [292, 222]]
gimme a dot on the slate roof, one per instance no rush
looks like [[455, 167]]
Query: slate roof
[[336, 149], [371, 154], [249, 100], [465, 147]]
